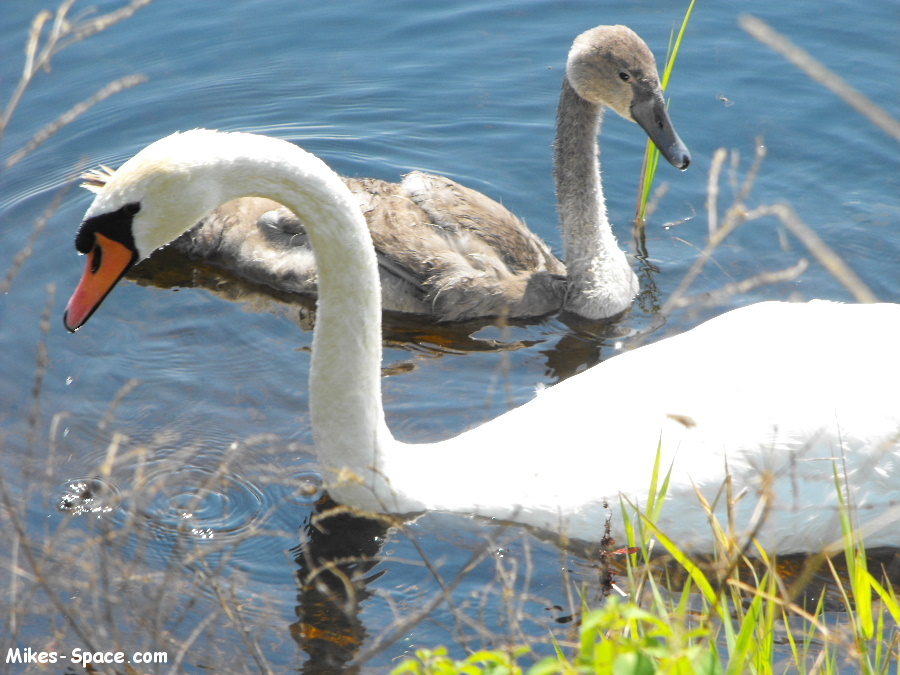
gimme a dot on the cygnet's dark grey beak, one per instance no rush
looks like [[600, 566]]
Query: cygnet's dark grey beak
[[649, 110]]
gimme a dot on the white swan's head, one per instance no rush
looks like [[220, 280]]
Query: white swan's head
[[614, 67], [155, 197]]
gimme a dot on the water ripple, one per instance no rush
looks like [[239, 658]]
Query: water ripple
[[202, 502]]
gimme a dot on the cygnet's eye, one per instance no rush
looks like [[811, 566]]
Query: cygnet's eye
[[625, 77]]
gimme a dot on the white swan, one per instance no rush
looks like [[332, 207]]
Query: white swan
[[777, 395], [450, 252]]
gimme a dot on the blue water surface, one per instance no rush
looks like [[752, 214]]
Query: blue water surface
[[190, 408]]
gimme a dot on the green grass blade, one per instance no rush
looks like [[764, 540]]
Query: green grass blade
[[742, 652], [693, 570], [651, 154]]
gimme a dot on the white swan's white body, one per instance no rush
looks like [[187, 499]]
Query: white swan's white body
[[776, 396]]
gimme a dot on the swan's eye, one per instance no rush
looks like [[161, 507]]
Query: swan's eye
[[625, 77]]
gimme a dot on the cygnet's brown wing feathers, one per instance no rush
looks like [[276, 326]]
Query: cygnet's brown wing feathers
[[468, 255]]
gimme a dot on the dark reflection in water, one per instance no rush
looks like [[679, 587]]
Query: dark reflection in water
[[335, 564]]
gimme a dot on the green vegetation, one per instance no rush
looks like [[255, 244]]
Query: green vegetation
[[651, 154], [726, 615]]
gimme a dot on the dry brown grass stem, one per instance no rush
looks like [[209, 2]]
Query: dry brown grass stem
[[43, 363], [820, 250], [34, 573], [721, 296], [738, 214], [712, 190], [71, 115], [26, 251], [404, 625], [760, 30], [50, 34]]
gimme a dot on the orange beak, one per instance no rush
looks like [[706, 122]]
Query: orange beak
[[107, 263]]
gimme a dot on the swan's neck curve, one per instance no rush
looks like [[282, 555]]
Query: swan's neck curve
[[346, 412], [601, 283]]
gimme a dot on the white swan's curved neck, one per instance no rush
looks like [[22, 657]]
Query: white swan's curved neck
[[600, 280], [345, 377]]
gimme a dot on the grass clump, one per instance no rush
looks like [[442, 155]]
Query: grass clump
[[620, 638], [439, 662], [742, 627], [737, 611]]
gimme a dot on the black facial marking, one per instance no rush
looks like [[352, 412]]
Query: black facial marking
[[116, 225]]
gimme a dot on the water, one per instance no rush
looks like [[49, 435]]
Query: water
[[201, 400]]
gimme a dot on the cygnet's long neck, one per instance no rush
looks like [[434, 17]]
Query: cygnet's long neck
[[601, 283], [345, 378]]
